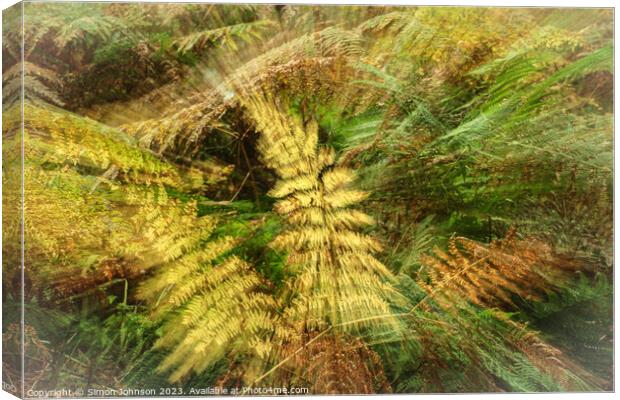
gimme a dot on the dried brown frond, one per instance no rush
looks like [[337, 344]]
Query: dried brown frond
[[333, 364], [491, 275]]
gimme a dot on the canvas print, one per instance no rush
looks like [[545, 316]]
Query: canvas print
[[243, 199]]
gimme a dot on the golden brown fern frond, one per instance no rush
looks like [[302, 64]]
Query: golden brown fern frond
[[189, 120], [333, 364], [490, 275]]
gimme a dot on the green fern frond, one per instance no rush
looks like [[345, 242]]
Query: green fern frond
[[226, 36]]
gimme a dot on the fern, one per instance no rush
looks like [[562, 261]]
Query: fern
[[491, 275], [458, 278], [87, 178], [230, 231], [210, 302], [93, 145], [215, 309], [39, 83], [334, 364], [337, 280], [226, 36], [301, 56]]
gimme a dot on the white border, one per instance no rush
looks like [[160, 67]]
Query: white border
[[480, 3]]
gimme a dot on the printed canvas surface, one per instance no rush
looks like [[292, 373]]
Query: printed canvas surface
[[205, 199]]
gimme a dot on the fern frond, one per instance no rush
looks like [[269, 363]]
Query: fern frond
[[389, 21], [490, 275], [80, 141], [226, 36], [210, 302], [334, 364], [213, 309], [337, 279], [98, 28], [92, 217], [39, 84], [301, 65]]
